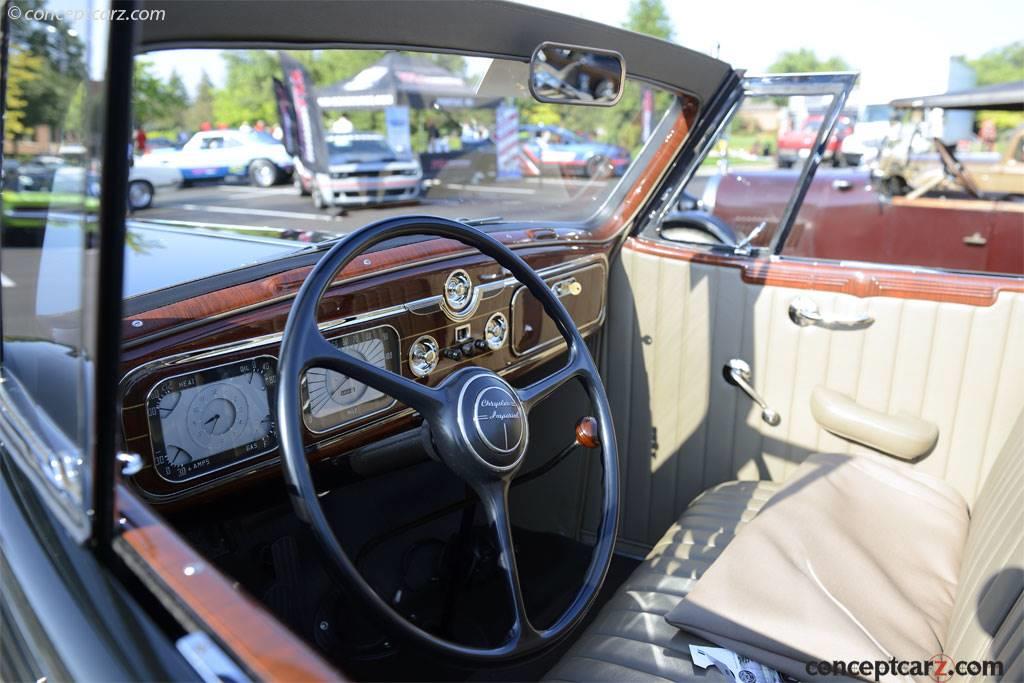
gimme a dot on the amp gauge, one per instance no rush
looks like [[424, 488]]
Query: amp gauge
[[496, 331], [424, 355]]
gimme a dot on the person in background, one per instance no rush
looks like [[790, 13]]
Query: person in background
[[342, 125], [433, 137], [140, 141], [260, 126]]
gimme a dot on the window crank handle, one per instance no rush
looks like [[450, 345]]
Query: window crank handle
[[737, 373]]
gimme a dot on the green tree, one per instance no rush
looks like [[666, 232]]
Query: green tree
[[201, 110], [805, 60], [650, 17], [155, 103], [23, 70], [60, 71], [1000, 65], [247, 95]]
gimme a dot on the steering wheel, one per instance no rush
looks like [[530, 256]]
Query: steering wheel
[[955, 169], [485, 453]]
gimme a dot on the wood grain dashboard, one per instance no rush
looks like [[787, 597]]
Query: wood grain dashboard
[[408, 300]]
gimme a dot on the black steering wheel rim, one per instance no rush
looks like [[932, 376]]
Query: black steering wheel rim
[[303, 346]]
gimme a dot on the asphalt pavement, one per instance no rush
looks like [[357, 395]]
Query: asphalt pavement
[[283, 207]]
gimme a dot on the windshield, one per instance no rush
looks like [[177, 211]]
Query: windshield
[[349, 144], [401, 133]]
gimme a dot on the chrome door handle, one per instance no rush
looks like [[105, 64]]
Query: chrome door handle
[[804, 312], [737, 373], [975, 240]]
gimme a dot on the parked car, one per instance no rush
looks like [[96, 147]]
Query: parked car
[[221, 154], [144, 181], [364, 169], [870, 132], [552, 149], [795, 144], [528, 436]]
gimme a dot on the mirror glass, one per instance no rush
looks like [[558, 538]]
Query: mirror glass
[[570, 74]]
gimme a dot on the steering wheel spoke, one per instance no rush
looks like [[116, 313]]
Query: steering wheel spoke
[[320, 353], [494, 497], [533, 394]]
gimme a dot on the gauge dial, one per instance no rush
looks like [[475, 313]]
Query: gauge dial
[[206, 420], [331, 399]]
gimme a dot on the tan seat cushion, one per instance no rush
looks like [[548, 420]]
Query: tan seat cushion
[[630, 639], [854, 558]]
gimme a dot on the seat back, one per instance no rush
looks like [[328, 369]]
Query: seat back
[[988, 615]]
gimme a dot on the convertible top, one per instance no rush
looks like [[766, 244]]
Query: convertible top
[[491, 28], [1001, 96]]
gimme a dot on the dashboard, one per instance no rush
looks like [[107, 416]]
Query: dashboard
[[199, 398]]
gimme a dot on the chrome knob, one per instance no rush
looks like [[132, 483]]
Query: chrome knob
[[496, 331], [424, 355]]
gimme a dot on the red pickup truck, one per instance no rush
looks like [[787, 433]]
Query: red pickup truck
[[795, 144]]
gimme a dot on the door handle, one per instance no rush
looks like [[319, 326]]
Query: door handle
[[737, 373], [804, 312], [975, 240]]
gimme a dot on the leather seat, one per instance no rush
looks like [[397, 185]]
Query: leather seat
[[631, 641]]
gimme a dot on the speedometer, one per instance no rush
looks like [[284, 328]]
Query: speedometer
[[203, 421], [330, 399]]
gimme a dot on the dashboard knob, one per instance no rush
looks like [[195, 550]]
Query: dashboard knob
[[423, 356], [467, 348], [480, 345], [454, 353]]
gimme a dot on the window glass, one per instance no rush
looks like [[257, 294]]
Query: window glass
[[938, 195], [751, 173], [406, 132], [48, 238]]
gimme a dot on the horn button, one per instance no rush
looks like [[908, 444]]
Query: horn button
[[492, 422]]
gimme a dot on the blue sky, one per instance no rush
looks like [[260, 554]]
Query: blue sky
[[901, 48]]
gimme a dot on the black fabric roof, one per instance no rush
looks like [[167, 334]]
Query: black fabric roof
[[1002, 96]]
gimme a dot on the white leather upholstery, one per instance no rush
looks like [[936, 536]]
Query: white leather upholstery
[[630, 639], [673, 324], [988, 616]]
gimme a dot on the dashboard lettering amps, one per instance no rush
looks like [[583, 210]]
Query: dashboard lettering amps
[[581, 291]]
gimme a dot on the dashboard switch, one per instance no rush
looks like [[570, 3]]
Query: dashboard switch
[[480, 345], [454, 353], [467, 348]]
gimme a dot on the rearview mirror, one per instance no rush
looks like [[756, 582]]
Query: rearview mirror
[[570, 74]]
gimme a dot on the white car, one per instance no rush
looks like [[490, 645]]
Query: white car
[[219, 154], [363, 169], [144, 181]]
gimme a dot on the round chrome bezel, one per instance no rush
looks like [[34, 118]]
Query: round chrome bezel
[[428, 366], [494, 345], [458, 302]]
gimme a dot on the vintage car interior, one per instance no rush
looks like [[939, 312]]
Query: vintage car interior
[[559, 444]]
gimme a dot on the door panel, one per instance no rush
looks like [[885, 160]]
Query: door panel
[[940, 348]]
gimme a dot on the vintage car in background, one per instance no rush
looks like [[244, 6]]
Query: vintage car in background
[[870, 131], [794, 145], [555, 150], [363, 170], [145, 181], [531, 435], [221, 154]]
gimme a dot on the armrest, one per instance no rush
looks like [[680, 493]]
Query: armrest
[[902, 436]]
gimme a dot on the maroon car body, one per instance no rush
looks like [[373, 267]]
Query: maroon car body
[[846, 217]]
